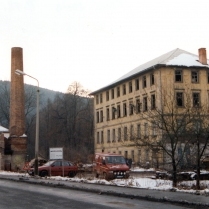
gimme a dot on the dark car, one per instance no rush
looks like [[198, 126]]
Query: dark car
[[56, 168]]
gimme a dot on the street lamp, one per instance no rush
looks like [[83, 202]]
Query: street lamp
[[19, 72]]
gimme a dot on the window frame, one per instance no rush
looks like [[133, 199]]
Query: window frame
[[152, 79], [144, 81], [145, 104], [180, 75], [107, 96], [182, 99], [195, 78], [193, 99], [137, 84], [124, 89], [130, 87], [118, 91]]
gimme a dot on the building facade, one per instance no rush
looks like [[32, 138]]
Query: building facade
[[118, 106]]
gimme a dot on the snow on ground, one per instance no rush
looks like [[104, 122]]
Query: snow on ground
[[136, 182]]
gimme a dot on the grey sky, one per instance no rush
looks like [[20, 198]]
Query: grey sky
[[95, 42]]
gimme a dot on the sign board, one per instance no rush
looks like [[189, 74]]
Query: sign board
[[56, 153]]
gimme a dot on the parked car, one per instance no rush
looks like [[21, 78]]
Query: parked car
[[56, 168], [204, 175], [110, 166]]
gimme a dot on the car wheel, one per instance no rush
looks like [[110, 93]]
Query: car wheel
[[43, 173], [72, 174]]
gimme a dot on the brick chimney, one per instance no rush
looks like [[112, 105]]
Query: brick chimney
[[17, 103], [202, 56]]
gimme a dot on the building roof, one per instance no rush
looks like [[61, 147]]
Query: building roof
[[3, 130], [176, 57]]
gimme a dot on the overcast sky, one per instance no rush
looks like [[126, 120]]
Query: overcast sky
[[94, 42]]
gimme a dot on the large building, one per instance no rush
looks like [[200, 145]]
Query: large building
[[117, 106]]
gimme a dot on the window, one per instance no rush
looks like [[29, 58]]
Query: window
[[137, 84], [144, 79], [113, 135], [97, 116], [124, 110], [179, 99], [118, 91], [98, 138], [132, 132], [112, 92], [125, 134], [107, 95], [97, 99], [145, 104], [154, 129], [119, 134], [108, 114], [113, 112], [139, 156], [131, 108], [130, 86], [195, 76], [152, 79], [178, 76], [118, 111], [208, 76], [101, 98], [101, 116], [126, 154], [124, 89], [108, 136], [102, 137], [145, 129], [196, 99], [138, 106], [153, 101], [138, 131], [57, 163], [132, 155]]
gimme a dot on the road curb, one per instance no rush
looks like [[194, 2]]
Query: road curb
[[83, 186]]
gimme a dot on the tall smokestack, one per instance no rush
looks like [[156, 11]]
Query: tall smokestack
[[17, 103], [202, 56]]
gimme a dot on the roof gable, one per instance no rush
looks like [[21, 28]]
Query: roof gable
[[176, 57]]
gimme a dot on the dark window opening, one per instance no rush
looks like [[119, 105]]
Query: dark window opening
[[196, 99], [179, 99], [130, 87], [137, 84], [178, 76], [144, 82], [194, 77]]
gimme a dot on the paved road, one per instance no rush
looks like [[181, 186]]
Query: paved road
[[21, 195]]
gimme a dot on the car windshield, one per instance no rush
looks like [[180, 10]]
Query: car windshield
[[48, 163], [115, 160]]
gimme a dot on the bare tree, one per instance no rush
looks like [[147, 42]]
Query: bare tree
[[68, 122], [200, 138], [170, 125], [4, 103]]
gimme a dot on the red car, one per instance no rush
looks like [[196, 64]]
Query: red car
[[110, 166], [56, 168]]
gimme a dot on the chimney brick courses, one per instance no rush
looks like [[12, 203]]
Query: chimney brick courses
[[17, 103], [202, 56]]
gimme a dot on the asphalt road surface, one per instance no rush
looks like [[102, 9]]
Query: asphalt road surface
[[20, 195]]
